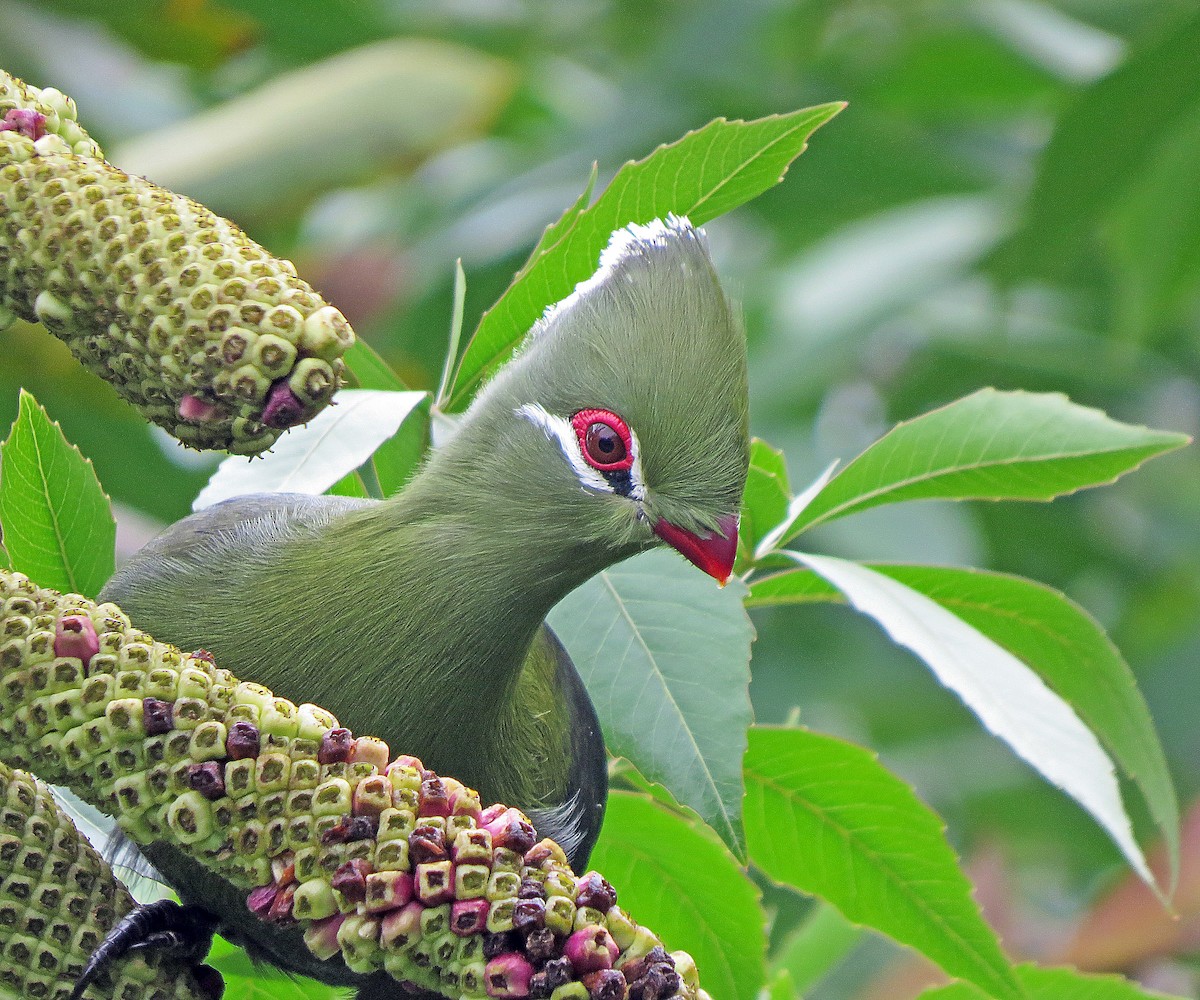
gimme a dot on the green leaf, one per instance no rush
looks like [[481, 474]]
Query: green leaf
[[797, 585], [1053, 636], [826, 817], [350, 485], [678, 879], [1008, 697], [1056, 984], [990, 445], [765, 500], [58, 526], [312, 458], [369, 371], [563, 225], [1113, 128], [703, 175], [202, 37], [456, 325], [246, 979], [1155, 235], [665, 656], [782, 987], [397, 458], [814, 948], [1068, 649]]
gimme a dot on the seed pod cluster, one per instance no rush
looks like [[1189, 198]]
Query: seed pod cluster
[[194, 323], [58, 898], [384, 864], [36, 113]]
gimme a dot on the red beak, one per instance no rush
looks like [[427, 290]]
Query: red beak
[[713, 553]]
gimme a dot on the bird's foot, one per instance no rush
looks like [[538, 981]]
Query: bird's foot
[[185, 932]]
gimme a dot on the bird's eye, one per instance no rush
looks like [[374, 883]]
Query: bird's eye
[[604, 439], [603, 444]]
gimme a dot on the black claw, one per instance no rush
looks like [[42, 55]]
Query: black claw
[[169, 940], [185, 931]]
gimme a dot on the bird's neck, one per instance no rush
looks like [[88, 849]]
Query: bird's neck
[[466, 563]]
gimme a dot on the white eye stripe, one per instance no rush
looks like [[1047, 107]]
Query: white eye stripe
[[559, 429]]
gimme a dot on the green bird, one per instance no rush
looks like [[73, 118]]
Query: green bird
[[620, 424]]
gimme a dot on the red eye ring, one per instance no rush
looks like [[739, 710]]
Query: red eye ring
[[604, 440]]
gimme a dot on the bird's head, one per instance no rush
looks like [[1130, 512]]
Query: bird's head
[[630, 399]]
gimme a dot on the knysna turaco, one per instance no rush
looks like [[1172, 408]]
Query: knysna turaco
[[621, 423]]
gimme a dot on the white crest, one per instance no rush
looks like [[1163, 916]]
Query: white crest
[[624, 242]]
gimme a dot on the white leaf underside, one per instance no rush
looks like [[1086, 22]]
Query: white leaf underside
[[1011, 700], [312, 458]]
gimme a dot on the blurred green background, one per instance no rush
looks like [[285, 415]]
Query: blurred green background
[[1011, 199]]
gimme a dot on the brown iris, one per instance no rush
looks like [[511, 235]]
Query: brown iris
[[603, 444]]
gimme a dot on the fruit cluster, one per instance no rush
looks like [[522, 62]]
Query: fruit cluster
[[194, 323], [35, 113], [58, 898], [385, 864]]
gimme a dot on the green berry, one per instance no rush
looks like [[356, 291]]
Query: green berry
[[58, 899], [193, 323]]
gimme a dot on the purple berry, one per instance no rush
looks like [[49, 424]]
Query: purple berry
[[283, 408], [594, 890], [75, 635], [591, 949], [508, 975], [335, 747], [281, 909], [259, 901], [531, 889], [468, 916], [30, 123], [195, 410], [243, 740], [498, 944], [351, 880], [434, 882], [511, 830], [435, 800], [541, 944], [529, 914], [351, 828], [157, 716], [208, 779], [426, 844], [558, 972], [607, 984]]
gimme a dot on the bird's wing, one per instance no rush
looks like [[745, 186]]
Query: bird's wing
[[575, 821]]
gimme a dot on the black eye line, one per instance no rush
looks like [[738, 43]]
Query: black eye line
[[621, 480]]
